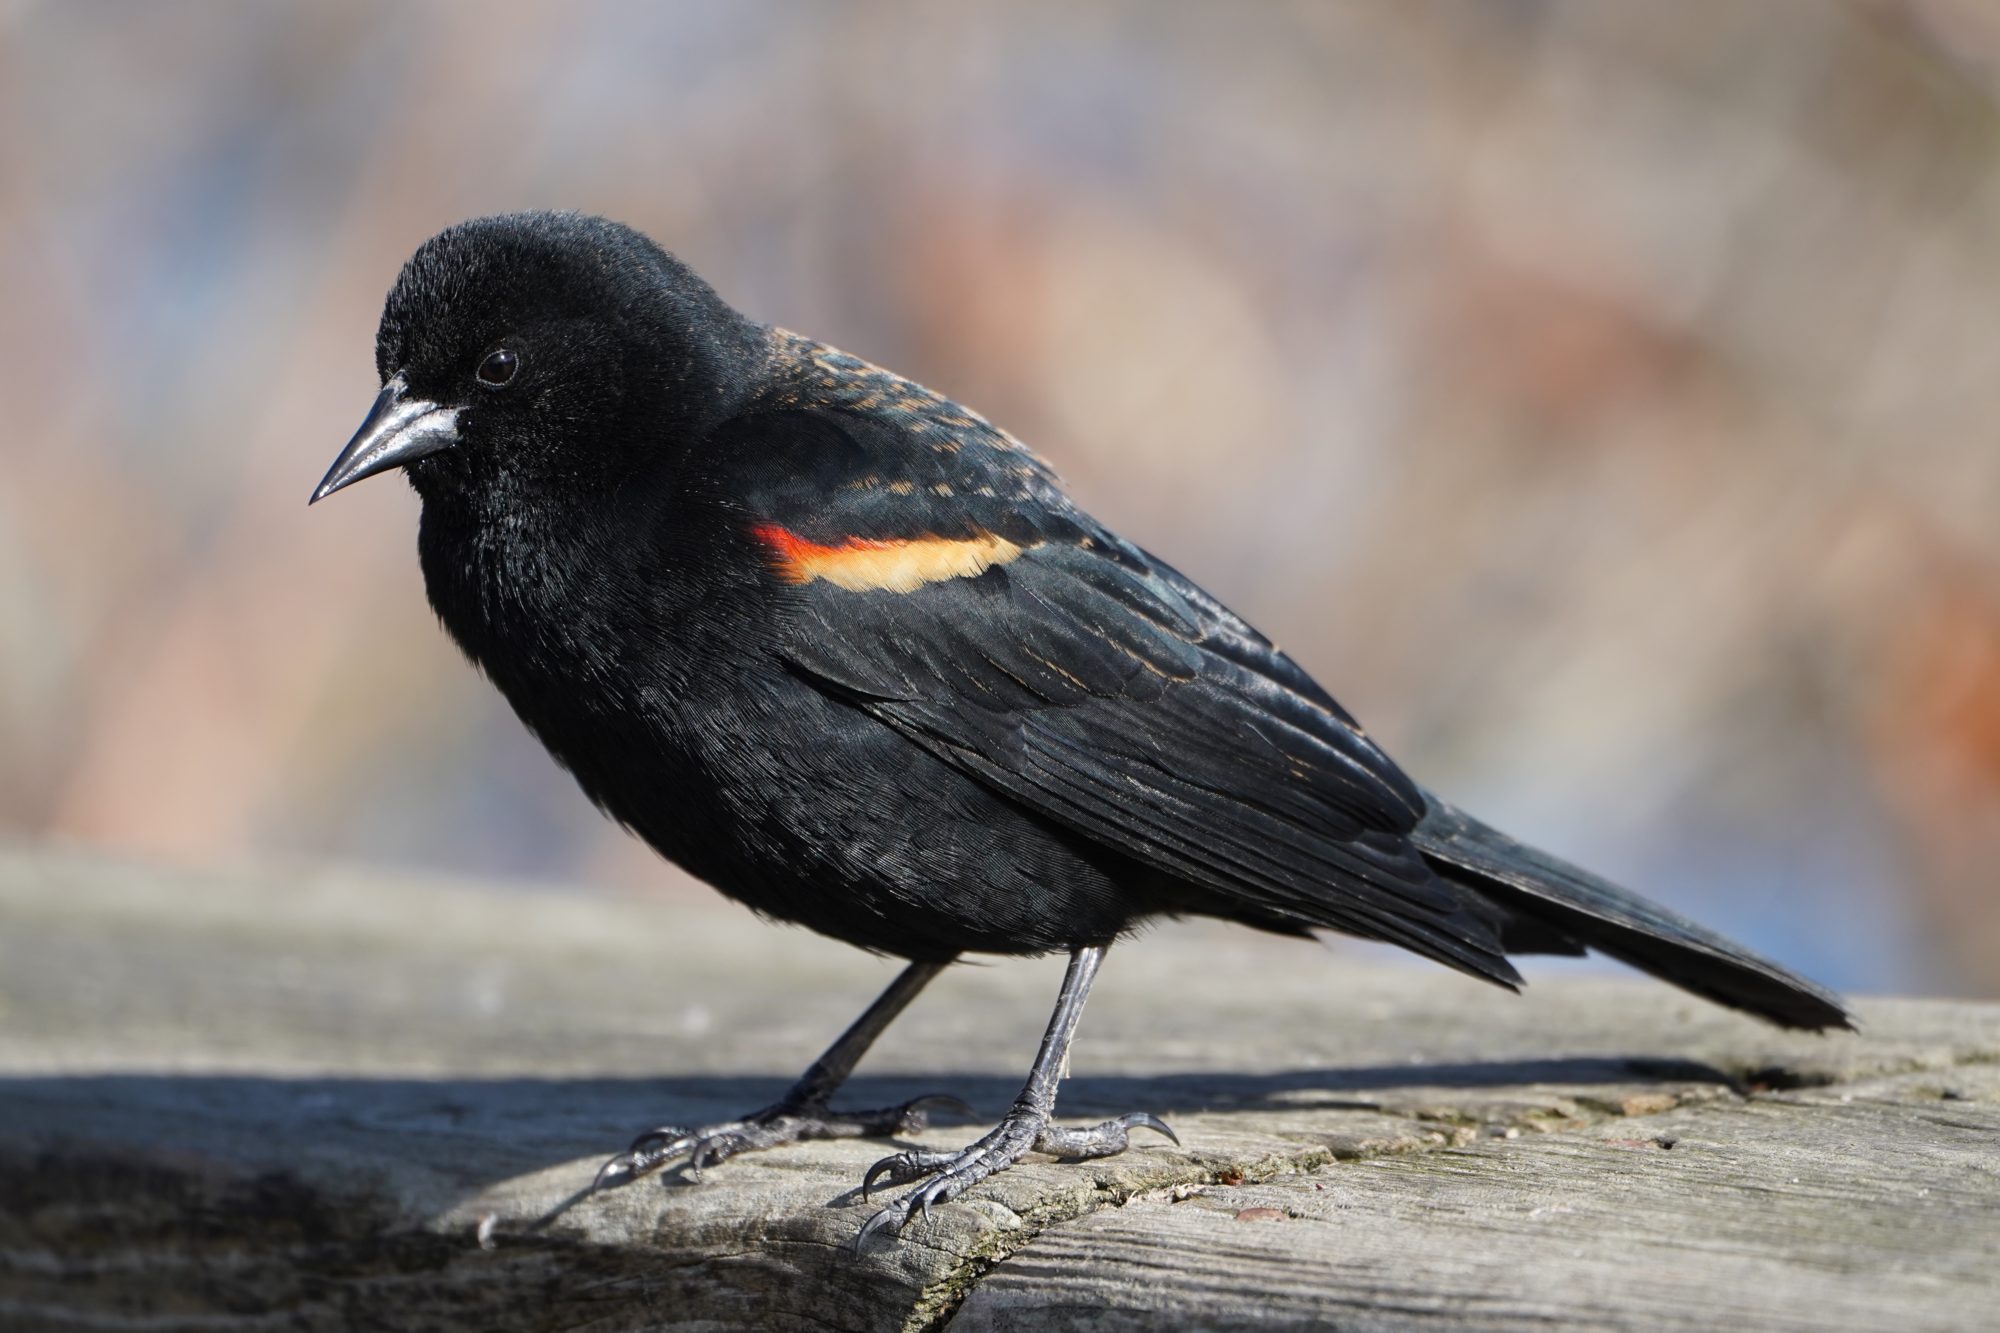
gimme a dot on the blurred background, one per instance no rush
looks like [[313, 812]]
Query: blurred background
[[1602, 399]]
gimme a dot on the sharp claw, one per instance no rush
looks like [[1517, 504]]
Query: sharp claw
[[1022, 1131], [609, 1173], [1141, 1120], [882, 1221], [950, 1103], [881, 1168]]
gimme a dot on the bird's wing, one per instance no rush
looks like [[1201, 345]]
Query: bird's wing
[[943, 584]]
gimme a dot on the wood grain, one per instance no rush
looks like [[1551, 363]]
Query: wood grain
[[300, 1099]]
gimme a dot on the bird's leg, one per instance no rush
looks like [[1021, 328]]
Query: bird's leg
[[802, 1113], [1025, 1128]]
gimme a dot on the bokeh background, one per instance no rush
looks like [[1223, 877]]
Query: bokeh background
[[1602, 398]]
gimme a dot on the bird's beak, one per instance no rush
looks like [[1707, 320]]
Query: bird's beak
[[399, 429]]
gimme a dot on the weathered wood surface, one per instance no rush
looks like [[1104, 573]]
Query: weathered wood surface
[[297, 1101]]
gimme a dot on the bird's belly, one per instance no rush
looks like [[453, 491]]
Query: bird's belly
[[810, 811]]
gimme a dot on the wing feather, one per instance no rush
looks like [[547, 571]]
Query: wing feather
[[1191, 772], [1101, 690], [1089, 682]]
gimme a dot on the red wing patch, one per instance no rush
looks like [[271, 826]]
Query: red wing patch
[[864, 564]]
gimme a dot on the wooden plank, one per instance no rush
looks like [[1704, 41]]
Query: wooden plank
[[299, 1099], [1871, 1208]]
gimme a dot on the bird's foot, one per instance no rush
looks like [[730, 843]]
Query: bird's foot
[[952, 1173], [783, 1122]]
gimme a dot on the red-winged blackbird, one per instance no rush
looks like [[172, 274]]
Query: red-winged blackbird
[[846, 650]]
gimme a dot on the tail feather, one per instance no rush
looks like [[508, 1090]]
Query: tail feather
[[1552, 906]]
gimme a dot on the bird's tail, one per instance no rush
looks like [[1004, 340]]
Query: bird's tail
[[1553, 907]]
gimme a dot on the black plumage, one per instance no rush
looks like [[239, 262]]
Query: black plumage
[[848, 652]]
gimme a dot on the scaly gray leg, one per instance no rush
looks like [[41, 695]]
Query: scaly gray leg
[[1025, 1129], [802, 1113]]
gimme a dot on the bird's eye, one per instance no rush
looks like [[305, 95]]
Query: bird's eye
[[499, 367]]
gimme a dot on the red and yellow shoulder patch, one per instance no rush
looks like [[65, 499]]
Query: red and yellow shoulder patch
[[864, 564]]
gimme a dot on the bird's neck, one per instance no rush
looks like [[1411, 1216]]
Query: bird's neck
[[547, 600], [515, 591]]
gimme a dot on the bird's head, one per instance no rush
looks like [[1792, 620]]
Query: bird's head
[[542, 349]]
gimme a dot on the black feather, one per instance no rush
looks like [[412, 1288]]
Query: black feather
[[1602, 916], [848, 651]]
